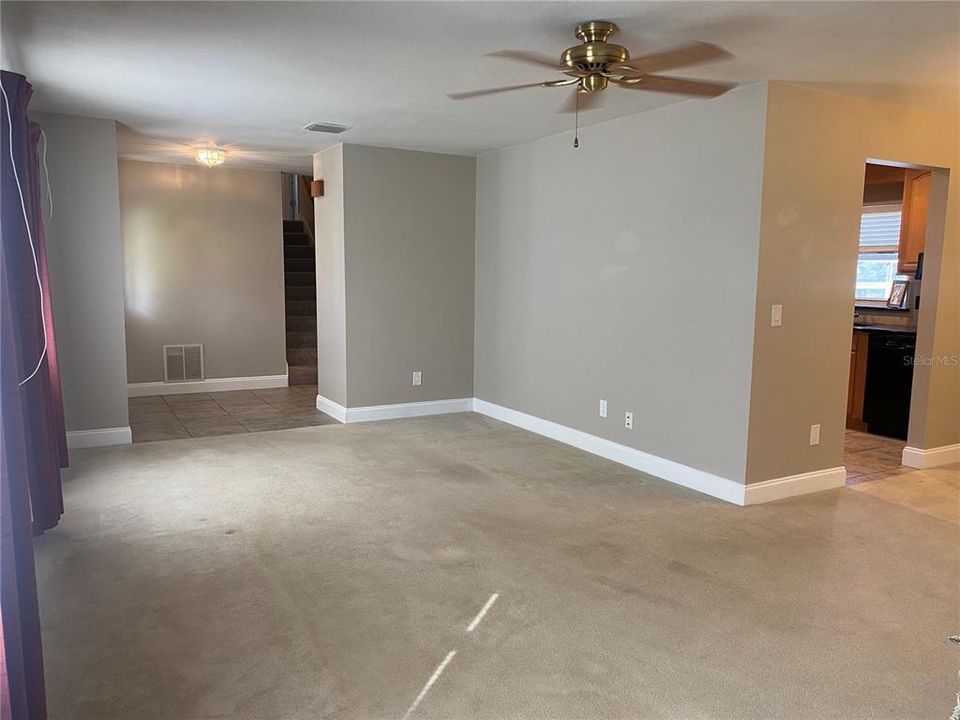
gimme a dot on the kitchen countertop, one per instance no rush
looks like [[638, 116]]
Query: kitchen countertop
[[873, 327]]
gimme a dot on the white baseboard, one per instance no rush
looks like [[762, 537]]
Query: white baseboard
[[699, 480], [714, 485], [102, 437], [934, 457], [259, 382], [793, 485], [392, 412], [404, 410], [335, 410]]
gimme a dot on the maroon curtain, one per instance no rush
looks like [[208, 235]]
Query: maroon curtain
[[31, 412]]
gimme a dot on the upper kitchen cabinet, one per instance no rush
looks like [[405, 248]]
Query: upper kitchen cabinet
[[913, 221]]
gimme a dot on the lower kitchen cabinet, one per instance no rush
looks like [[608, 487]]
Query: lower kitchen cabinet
[[858, 380]]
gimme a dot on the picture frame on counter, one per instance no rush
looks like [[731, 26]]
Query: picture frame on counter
[[898, 294]]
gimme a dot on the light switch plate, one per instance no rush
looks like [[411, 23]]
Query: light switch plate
[[776, 315]]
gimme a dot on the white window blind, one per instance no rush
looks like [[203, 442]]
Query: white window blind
[[879, 245], [880, 228]]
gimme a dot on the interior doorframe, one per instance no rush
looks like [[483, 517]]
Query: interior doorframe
[[930, 293]]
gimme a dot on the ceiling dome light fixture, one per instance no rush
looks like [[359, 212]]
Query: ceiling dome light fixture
[[211, 156]]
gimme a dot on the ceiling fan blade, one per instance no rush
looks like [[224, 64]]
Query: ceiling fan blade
[[679, 86], [491, 91], [588, 101], [693, 54], [526, 56], [561, 83]]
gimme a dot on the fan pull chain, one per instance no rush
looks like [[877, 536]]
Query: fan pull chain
[[576, 127]]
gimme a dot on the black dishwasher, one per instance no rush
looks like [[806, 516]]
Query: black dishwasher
[[886, 403]]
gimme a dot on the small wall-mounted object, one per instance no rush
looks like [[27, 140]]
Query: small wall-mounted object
[[182, 363], [316, 188]]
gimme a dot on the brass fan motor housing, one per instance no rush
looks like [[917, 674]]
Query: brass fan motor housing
[[594, 82], [595, 31], [594, 55]]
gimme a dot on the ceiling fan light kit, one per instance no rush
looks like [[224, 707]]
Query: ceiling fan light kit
[[595, 63]]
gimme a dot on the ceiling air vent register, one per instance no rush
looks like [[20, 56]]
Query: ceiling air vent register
[[326, 128], [182, 363]]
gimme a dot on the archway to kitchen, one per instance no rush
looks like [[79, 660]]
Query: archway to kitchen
[[900, 244]]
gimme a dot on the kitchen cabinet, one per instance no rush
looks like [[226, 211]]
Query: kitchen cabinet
[[858, 380], [913, 221]]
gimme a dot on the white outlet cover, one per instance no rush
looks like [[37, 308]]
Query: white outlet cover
[[628, 420], [603, 408], [814, 434], [417, 377], [776, 315]]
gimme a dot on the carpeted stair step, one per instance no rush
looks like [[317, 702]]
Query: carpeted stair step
[[301, 340], [295, 239], [302, 323], [302, 356], [300, 264], [303, 308], [292, 226], [297, 251], [300, 279], [302, 374], [300, 293]]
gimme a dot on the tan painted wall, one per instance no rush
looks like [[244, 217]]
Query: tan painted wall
[[84, 254], [409, 228], [203, 263], [625, 270], [331, 297], [816, 147], [395, 275]]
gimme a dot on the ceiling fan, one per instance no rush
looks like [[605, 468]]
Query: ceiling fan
[[595, 63]]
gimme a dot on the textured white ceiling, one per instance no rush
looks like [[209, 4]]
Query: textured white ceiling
[[250, 75]]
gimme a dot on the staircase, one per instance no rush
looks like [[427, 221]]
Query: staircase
[[300, 288]]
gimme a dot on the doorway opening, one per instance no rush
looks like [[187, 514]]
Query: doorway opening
[[300, 279], [887, 298]]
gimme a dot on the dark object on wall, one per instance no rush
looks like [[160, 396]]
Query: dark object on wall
[[316, 188], [886, 406], [918, 275]]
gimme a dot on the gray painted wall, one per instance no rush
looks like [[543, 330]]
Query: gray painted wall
[[816, 147], [331, 297], [395, 275], [409, 229], [86, 277], [203, 263], [636, 286]]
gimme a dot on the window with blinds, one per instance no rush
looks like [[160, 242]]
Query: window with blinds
[[879, 244]]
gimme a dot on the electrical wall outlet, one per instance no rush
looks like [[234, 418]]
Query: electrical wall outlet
[[776, 315], [814, 434], [417, 377], [603, 408], [628, 420]]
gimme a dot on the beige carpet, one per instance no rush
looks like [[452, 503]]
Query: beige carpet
[[326, 572]]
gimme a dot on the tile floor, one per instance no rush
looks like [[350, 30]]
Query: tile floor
[[871, 457], [173, 417]]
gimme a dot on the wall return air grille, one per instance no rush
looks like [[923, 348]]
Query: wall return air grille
[[182, 363]]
